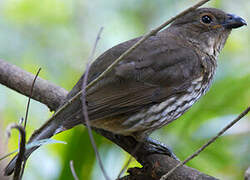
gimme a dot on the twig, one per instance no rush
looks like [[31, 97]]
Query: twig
[[71, 163], [126, 53], [7, 155], [21, 124], [84, 106], [19, 138], [20, 157], [26, 116], [164, 177], [28, 104]]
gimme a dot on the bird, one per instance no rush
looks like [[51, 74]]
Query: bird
[[155, 84]]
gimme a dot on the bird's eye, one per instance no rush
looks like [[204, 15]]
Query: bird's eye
[[206, 19]]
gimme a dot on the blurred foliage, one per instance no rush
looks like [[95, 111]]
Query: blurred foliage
[[57, 35]]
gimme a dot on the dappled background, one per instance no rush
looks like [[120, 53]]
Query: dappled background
[[57, 35]]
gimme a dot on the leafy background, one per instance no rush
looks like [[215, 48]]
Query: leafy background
[[57, 35]]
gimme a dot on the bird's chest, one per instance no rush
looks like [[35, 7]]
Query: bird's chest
[[173, 107]]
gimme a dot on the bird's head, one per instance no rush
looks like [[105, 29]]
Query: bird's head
[[207, 28]]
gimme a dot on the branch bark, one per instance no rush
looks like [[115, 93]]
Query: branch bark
[[152, 157], [158, 165], [19, 80]]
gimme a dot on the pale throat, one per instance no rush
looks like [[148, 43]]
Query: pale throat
[[210, 43], [213, 44], [211, 47]]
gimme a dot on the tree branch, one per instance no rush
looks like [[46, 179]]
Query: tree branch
[[158, 165], [21, 81]]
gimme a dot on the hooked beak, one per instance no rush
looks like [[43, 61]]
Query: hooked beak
[[233, 22]]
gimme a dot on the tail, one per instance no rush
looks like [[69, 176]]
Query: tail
[[46, 131], [66, 119]]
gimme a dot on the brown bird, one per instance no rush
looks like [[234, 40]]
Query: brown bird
[[155, 84]]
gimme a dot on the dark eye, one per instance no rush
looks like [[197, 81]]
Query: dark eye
[[206, 19]]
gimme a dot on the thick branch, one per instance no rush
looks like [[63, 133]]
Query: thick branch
[[158, 165], [52, 96], [21, 81]]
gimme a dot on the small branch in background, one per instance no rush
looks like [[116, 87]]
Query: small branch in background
[[7, 155], [21, 124], [20, 157], [26, 116], [244, 113], [84, 106], [31, 93], [71, 163], [19, 139]]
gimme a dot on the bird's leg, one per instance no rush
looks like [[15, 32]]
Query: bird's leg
[[160, 148], [139, 149]]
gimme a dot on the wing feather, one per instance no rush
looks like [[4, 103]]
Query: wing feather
[[149, 75]]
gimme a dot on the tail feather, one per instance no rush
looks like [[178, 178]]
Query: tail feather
[[47, 131], [66, 119]]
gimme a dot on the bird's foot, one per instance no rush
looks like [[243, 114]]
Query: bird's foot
[[156, 147]]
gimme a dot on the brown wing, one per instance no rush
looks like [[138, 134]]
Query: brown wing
[[156, 70]]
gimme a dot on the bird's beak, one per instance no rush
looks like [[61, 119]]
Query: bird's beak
[[233, 22]]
